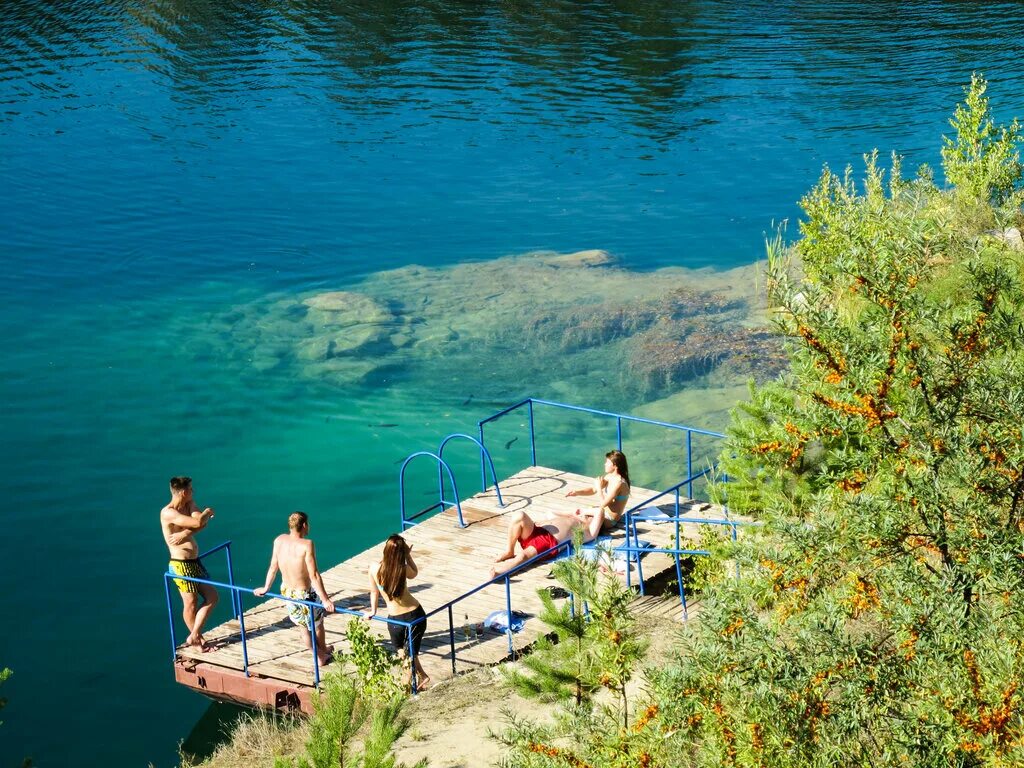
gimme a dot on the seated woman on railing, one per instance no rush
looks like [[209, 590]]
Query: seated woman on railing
[[613, 490], [390, 578]]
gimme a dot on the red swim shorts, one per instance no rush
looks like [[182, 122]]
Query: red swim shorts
[[541, 540]]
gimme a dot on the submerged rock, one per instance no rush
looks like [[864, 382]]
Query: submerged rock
[[592, 258], [342, 308], [521, 324], [660, 365]]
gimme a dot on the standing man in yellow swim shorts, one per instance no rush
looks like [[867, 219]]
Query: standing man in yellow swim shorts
[[179, 521]]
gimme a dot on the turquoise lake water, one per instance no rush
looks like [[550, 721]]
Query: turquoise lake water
[[177, 177]]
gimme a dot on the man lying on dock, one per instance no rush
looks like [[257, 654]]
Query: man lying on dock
[[179, 521], [540, 536], [612, 490], [295, 556]]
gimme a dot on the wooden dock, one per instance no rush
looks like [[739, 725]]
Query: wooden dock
[[452, 561]]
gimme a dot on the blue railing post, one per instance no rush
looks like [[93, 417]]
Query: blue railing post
[[689, 463], [618, 433], [679, 575], [451, 635], [170, 616], [533, 442], [241, 628], [483, 465], [412, 661], [682, 595], [312, 642], [236, 599], [508, 607]]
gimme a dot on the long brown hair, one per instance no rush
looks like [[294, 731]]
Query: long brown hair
[[618, 459], [391, 573]]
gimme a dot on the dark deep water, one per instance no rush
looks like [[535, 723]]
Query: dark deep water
[[164, 162]]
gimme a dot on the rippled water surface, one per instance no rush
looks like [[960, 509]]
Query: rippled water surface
[[178, 177]]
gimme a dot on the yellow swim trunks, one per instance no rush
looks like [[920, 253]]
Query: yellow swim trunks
[[191, 568]]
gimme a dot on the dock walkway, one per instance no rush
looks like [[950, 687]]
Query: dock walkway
[[452, 562]]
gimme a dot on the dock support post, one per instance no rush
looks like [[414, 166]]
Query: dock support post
[[451, 635]]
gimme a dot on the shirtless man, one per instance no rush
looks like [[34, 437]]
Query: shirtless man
[[300, 580], [539, 536], [179, 521]]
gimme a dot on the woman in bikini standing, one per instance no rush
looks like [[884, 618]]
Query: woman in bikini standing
[[389, 578]]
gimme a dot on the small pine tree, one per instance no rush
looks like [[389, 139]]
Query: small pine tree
[[597, 648], [347, 711]]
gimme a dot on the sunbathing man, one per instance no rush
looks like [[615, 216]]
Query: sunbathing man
[[179, 521], [540, 536], [300, 580]]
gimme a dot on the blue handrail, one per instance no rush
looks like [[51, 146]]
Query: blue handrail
[[407, 521], [619, 418], [632, 515], [238, 591], [484, 454]]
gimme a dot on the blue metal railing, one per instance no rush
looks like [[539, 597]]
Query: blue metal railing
[[236, 601], [529, 403], [442, 468], [632, 549]]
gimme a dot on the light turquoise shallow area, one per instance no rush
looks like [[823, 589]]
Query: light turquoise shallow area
[[177, 177]]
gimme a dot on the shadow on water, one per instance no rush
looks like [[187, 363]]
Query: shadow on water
[[212, 730]]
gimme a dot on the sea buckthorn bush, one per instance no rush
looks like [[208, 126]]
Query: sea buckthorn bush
[[879, 616]]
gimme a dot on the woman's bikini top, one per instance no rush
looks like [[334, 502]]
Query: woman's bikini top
[[622, 498]]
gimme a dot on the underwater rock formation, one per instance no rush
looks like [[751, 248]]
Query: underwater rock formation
[[517, 325]]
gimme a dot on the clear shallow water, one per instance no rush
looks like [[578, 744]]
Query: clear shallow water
[[163, 163]]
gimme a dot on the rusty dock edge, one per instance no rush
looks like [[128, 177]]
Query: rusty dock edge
[[232, 686]]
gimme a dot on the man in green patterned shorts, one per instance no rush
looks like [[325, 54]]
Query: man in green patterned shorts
[[295, 556], [179, 521]]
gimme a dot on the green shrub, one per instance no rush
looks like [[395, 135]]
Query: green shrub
[[373, 661], [879, 618]]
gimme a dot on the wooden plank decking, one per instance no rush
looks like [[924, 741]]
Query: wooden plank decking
[[452, 561]]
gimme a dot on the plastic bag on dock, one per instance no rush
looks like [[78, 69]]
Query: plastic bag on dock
[[498, 621]]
